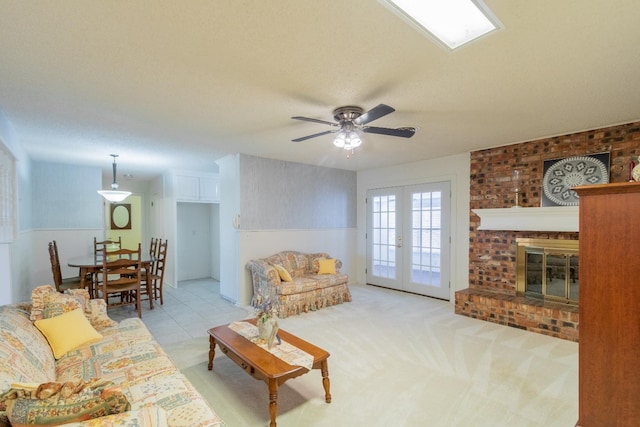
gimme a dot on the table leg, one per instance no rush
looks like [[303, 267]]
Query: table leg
[[324, 367], [212, 352], [83, 285], [83, 281], [273, 401]]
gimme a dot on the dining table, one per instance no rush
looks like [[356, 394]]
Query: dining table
[[93, 264]]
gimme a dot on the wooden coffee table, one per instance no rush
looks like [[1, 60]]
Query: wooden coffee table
[[262, 365]]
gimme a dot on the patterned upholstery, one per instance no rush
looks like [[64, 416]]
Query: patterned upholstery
[[128, 355], [24, 351], [308, 291]]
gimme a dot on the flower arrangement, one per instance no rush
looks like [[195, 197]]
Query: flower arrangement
[[267, 322], [265, 311]]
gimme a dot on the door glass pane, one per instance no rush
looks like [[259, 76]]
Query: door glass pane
[[384, 237], [435, 218], [436, 239], [425, 245]]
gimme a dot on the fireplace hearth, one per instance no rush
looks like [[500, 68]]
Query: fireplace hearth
[[549, 305]]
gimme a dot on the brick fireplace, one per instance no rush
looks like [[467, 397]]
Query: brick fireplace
[[492, 293]]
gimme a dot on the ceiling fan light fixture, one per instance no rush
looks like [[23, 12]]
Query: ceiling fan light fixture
[[347, 140], [351, 121], [114, 195]]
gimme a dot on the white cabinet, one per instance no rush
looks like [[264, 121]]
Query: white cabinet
[[187, 188], [209, 189], [197, 188]]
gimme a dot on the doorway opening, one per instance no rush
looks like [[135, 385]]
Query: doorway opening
[[198, 235]]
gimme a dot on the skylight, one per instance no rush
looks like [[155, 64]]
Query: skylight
[[452, 22]]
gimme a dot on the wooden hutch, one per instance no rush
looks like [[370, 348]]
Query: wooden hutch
[[609, 331]]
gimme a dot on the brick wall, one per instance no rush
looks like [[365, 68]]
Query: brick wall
[[492, 253]]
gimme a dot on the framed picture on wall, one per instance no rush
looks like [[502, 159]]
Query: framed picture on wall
[[562, 175], [121, 216]]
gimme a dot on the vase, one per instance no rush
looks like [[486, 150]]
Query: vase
[[268, 329]]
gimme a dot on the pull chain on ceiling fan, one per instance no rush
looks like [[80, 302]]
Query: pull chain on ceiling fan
[[351, 120]]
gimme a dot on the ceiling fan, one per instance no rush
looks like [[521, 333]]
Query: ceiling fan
[[350, 120]]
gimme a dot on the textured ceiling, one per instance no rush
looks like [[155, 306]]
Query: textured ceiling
[[174, 84]]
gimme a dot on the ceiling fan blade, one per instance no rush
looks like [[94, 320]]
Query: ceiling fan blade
[[307, 119], [402, 132], [373, 114], [304, 138]]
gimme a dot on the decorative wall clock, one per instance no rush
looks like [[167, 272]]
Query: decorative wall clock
[[562, 175]]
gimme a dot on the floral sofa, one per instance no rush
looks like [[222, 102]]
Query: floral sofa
[[124, 355], [303, 285]]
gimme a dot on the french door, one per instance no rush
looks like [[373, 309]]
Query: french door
[[408, 245]]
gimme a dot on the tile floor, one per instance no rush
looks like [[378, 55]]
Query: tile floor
[[188, 311]]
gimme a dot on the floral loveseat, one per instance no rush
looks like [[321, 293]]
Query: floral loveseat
[[123, 354], [303, 285]]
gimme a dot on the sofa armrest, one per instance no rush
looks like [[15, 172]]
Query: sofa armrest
[[265, 278], [150, 416]]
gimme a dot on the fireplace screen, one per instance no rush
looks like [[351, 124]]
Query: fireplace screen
[[548, 269]]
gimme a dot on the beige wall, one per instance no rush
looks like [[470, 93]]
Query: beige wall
[[130, 238]]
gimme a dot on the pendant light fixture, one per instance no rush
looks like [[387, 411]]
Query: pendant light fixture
[[113, 195]]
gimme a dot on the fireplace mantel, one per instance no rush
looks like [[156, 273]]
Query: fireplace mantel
[[555, 218]]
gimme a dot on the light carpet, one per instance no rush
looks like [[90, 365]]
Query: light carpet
[[400, 360]]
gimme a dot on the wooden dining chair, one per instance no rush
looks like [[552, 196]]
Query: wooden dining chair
[[121, 278], [60, 283], [156, 278], [153, 252], [99, 248], [153, 247]]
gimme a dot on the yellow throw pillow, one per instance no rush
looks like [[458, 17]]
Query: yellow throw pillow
[[67, 332], [327, 266], [284, 274]]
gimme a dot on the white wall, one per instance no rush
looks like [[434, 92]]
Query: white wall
[[281, 195], [215, 240], [454, 169], [71, 243], [168, 209], [155, 218], [230, 269], [65, 196], [12, 275]]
